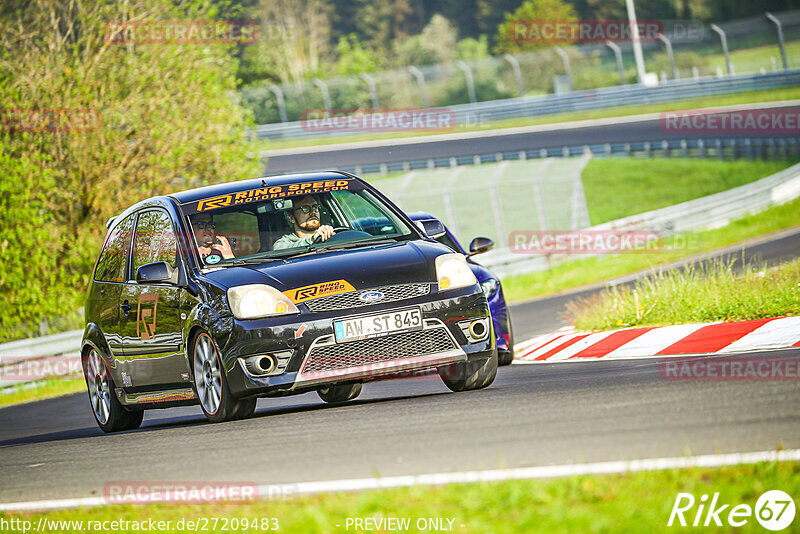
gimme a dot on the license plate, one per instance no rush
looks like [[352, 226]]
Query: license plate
[[376, 325]]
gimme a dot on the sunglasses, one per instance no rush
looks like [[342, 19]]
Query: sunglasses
[[308, 209], [203, 225]]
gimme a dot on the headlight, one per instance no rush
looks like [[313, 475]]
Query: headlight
[[452, 272], [259, 300], [490, 287]]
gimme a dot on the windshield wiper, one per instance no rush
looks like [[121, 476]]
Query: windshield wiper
[[262, 259], [354, 244]]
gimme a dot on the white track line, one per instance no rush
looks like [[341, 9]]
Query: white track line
[[495, 475]]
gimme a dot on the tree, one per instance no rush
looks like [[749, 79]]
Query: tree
[[294, 42], [435, 44], [124, 122], [531, 11], [354, 58]]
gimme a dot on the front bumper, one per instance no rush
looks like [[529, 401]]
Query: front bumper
[[315, 358]]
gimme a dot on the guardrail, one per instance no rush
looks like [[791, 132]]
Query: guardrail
[[719, 148], [28, 360], [712, 211], [669, 91]]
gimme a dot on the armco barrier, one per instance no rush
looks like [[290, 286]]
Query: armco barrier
[[728, 148], [703, 213], [669, 91], [38, 348]]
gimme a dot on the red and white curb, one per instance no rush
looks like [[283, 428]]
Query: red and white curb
[[705, 338]]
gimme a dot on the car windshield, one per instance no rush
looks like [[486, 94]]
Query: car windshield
[[252, 226]]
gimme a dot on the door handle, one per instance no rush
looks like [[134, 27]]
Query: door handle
[[125, 307]]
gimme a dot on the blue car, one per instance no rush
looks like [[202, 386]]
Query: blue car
[[501, 320]]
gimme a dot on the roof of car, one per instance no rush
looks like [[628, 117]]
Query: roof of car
[[193, 195]]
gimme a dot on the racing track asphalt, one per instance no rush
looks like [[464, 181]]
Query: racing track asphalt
[[532, 415], [646, 130], [549, 413]]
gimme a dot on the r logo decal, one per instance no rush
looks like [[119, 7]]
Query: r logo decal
[[214, 203], [146, 316]]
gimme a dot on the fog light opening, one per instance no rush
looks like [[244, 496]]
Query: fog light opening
[[477, 329], [261, 365]]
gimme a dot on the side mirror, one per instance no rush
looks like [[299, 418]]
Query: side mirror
[[480, 245], [433, 228], [159, 271]]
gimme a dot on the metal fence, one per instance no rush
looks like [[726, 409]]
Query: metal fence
[[483, 112], [586, 67]]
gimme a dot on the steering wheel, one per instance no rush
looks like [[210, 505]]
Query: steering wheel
[[342, 233]]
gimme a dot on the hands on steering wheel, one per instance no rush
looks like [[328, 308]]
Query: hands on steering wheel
[[326, 231]]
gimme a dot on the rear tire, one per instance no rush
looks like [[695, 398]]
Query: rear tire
[[339, 392], [211, 384], [473, 374], [111, 416]]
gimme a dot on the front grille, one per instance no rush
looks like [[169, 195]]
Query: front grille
[[375, 350], [349, 300]]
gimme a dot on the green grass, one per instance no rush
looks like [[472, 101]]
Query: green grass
[[748, 97], [578, 272], [631, 502], [44, 389], [615, 188], [752, 59], [694, 295]]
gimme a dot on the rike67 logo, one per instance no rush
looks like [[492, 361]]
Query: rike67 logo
[[774, 510]]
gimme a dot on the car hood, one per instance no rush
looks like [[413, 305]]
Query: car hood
[[396, 263]]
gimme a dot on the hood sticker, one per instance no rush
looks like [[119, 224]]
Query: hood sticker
[[325, 289], [299, 332]]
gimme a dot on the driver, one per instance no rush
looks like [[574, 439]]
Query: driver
[[307, 227], [208, 242]]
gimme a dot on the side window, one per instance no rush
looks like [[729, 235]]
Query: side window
[[154, 241], [112, 262]]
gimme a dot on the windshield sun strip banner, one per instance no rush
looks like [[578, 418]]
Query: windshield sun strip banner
[[315, 291], [270, 192]]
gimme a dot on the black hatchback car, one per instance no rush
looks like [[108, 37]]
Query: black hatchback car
[[270, 287]]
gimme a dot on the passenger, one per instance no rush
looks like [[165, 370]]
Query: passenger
[[307, 227], [208, 242]]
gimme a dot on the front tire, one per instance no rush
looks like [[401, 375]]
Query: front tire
[[470, 375], [211, 384], [111, 416], [507, 357], [339, 392]]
